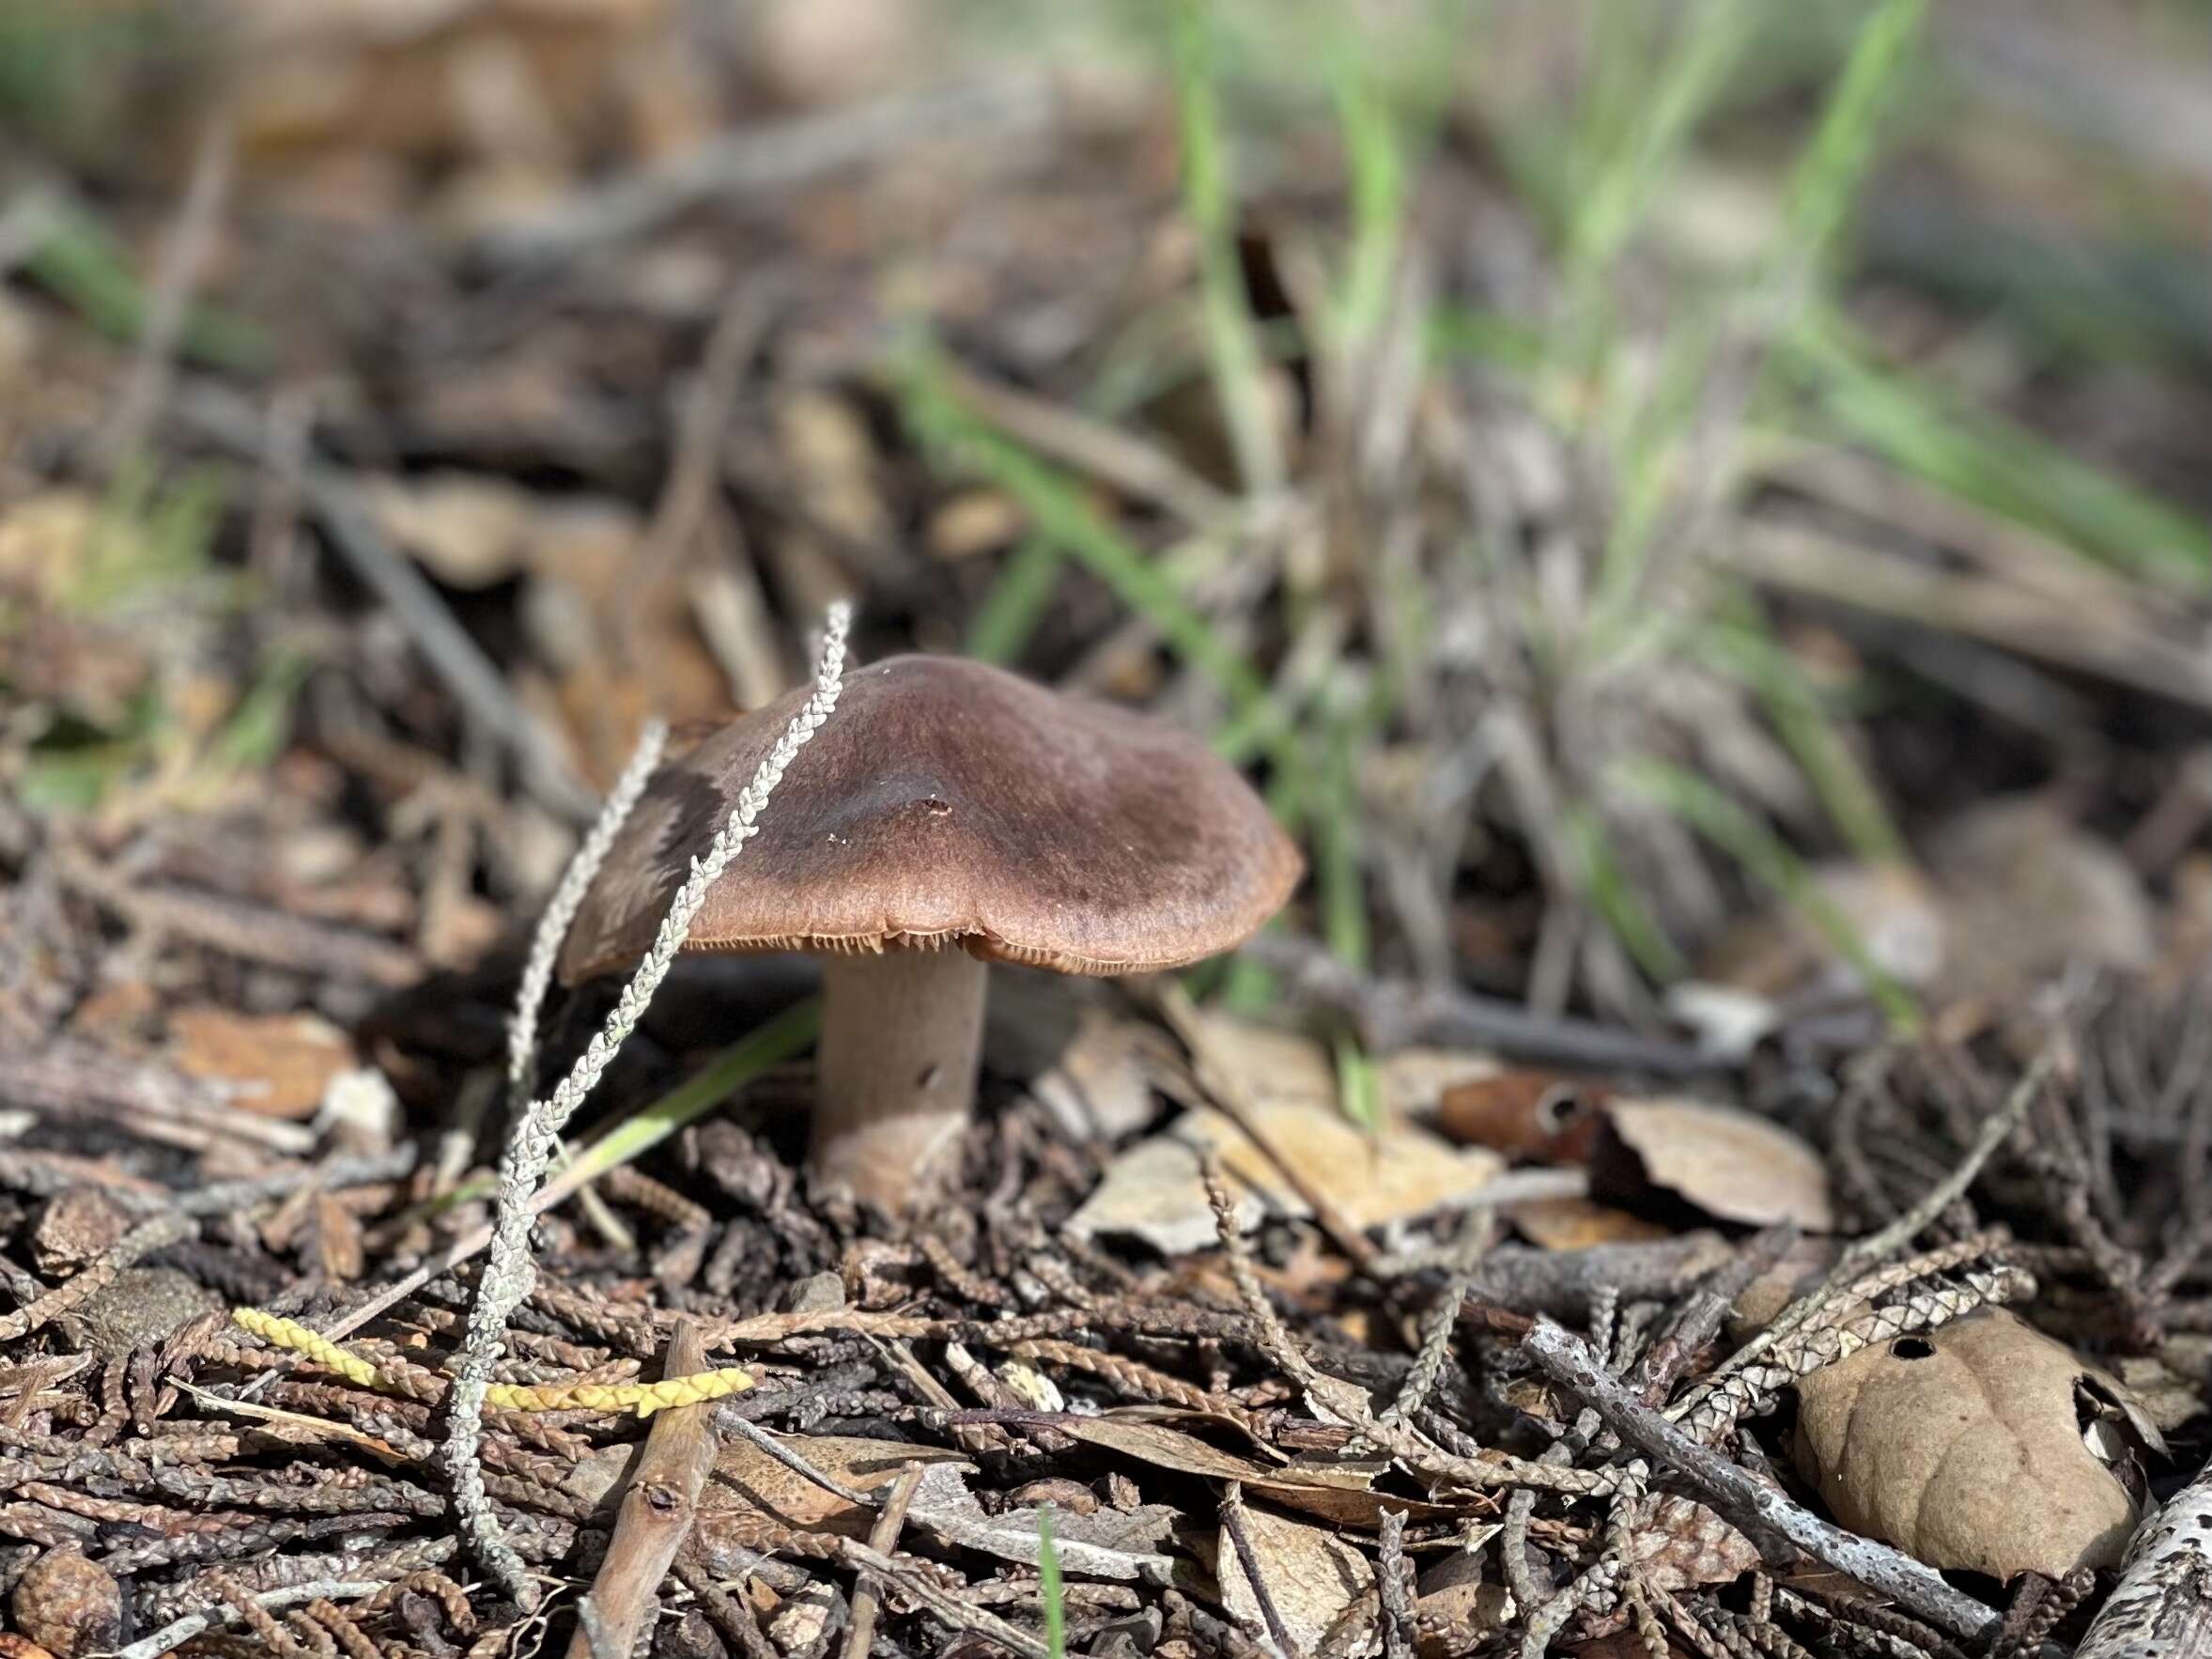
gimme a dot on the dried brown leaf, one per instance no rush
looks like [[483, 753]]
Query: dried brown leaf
[[1578, 1223], [1685, 1545], [1963, 1445], [2026, 893], [1731, 1164], [277, 1064], [1155, 1191], [752, 1494], [1312, 1577]]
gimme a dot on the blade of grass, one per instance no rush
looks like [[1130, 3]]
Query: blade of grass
[[1606, 885], [1724, 821], [1375, 160], [258, 727], [1231, 339], [1744, 646], [1994, 463], [1000, 628], [82, 265], [786, 1036], [1049, 1589], [1654, 116], [1061, 514], [1825, 183]]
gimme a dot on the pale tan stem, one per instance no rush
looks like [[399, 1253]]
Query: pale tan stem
[[902, 1036]]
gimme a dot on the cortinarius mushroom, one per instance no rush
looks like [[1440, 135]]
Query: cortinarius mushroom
[[948, 814]]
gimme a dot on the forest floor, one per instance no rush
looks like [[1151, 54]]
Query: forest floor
[[1695, 520]]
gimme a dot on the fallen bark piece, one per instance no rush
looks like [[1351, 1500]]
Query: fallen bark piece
[[654, 1515], [2163, 1605], [1963, 1445]]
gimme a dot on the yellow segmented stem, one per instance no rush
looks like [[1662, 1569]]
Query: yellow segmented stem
[[642, 1398]]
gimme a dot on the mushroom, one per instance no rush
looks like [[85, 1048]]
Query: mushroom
[[949, 815]]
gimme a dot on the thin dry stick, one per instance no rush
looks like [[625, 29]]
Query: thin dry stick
[[800, 1467], [1273, 1337], [175, 1635], [169, 301], [1393, 1585], [1240, 1539], [1347, 1403], [655, 1515], [1735, 1495], [1428, 1366], [2163, 1607], [510, 1272], [227, 421], [939, 1601], [883, 1538]]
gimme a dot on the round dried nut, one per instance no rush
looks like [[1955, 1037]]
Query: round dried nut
[[68, 1605]]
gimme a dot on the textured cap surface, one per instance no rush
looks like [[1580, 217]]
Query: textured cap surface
[[949, 802]]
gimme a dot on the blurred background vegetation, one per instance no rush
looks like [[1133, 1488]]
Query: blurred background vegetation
[[1694, 509]]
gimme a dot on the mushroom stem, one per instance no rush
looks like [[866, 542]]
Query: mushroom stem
[[902, 1037]]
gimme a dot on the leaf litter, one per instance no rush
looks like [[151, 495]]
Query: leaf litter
[[1458, 1300]]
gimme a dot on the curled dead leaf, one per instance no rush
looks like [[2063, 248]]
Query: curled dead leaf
[[1523, 1113], [1578, 1223], [1965, 1446], [1731, 1164], [750, 1496]]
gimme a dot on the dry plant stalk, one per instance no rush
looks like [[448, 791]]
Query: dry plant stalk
[[509, 1272]]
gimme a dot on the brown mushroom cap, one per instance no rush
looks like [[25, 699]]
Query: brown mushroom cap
[[949, 802]]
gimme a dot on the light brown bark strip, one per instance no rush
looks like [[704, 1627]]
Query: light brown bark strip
[[654, 1515]]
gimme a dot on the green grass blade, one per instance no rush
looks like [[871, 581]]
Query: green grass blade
[[786, 1036], [1376, 164], [1825, 184], [1062, 516], [1614, 898], [1654, 117], [1049, 1589], [1724, 822], [83, 266], [1000, 628], [1743, 647], [1232, 341], [1981, 457]]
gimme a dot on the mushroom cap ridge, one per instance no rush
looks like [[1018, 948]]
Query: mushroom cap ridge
[[951, 802]]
